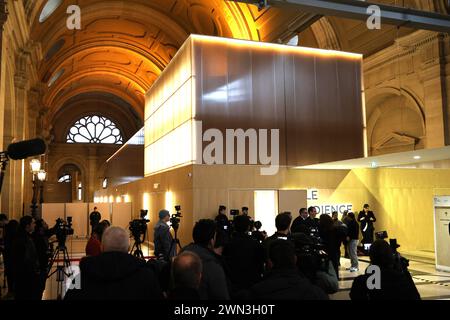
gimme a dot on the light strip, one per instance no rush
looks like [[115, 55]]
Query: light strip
[[274, 46]]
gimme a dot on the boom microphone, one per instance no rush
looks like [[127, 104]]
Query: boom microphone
[[24, 149]]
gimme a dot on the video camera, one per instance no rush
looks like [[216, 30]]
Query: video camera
[[138, 227], [234, 212], [175, 218], [311, 254], [62, 229], [381, 235]]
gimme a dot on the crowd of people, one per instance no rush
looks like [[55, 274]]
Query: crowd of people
[[228, 259]]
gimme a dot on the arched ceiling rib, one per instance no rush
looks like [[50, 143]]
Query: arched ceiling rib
[[125, 44]]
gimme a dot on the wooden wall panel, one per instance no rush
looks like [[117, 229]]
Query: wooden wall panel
[[292, 201], [313, 97]]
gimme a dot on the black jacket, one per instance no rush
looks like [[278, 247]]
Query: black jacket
[[25, 263], [395, 285], [117, 276], [24, 256], [299, 224], [353, 229], [366, 219], [286, 284], [245, 259], [183, 293], [213, 285]]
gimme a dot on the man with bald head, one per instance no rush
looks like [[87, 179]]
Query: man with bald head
[[186, 275], [115, 274]]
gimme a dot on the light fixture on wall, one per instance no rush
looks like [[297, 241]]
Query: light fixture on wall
[[35, 166], [39, 177]]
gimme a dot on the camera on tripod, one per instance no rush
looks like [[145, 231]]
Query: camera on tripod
[[62, 229], [175, 218], [138, 227]]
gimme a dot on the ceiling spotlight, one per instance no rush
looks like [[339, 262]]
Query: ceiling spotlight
[[417, 157]]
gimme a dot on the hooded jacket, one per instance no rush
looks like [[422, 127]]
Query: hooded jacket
[[117, 276]]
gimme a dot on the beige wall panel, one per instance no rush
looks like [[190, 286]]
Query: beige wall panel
[[79, 214], [242, 198], [53, 211], [121, 215], [292, 201]]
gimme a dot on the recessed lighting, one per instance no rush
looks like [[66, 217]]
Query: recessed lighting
[[417, 157]]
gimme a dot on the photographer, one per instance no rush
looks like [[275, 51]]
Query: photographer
[[26, 262], [40, 238], [395, 284], [163, 240], [244, 256], [314, 263], [222, 220], [258, 235], [282, 223], [284, 282]]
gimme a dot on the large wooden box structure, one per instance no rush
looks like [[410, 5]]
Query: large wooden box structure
[[313, 96]]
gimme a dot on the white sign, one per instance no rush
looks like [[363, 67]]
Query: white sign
[[326, 208]]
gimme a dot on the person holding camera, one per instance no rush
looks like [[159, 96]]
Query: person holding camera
[[284, 281], [244, 256], [394, 284], [163, 240]]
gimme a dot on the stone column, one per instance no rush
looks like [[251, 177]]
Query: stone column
[[17, 167], [3, 17], [435, 110], [92, 175]]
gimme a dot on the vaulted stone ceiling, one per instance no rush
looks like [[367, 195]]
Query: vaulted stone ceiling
[[125, 44]]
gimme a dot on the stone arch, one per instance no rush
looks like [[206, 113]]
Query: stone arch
[[389, 104], [325, 35], [60, 163]]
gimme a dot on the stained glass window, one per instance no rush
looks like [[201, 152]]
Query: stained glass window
[[94, 129]]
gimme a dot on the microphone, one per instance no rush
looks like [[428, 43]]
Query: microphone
[[24, 149]]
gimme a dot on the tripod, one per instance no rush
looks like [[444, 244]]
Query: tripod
[[60, 268], [175, 241], [137, 248]]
